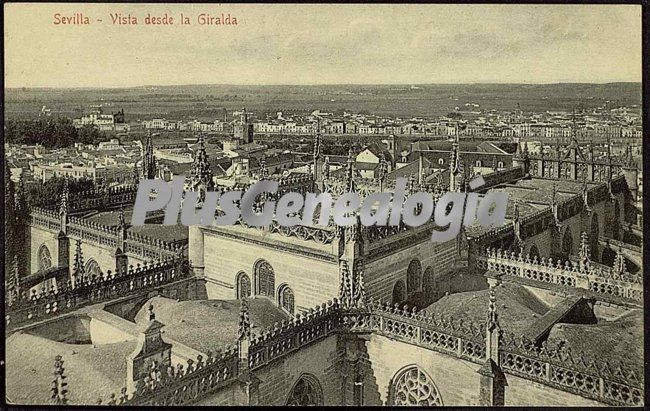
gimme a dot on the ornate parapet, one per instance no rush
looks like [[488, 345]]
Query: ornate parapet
[[152, 248], [47, 219], [595, 277], [321, 235], [102, 198], [183, 384], [560, 368], [92, 232], [92, 289]]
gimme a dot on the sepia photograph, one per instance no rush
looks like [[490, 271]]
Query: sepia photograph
[[323, 205]]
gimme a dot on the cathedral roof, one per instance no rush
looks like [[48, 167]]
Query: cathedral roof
[[517, 307], [99, 369], [209, 324]]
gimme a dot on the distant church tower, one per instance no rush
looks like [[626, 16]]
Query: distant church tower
[[317, 166], [455, 167], [201, 175], [148, 160], [244, 129]]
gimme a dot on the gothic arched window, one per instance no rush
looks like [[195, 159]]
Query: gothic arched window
[[413, 277], [93, 268], [264, 279], [286, 298], [243, 285], [306, 391], [44, 258], [413, 386], [399, 292], [429, 282]]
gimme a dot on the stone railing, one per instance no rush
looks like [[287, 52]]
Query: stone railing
[[289, 336], [321, 235], [92, 232], [465, 340], [557, 367], [47, 219], [103, 198], [152, 248], [594, 277], [458, 338], [107, 236], [560, 368], [91, 290], [183, 384]]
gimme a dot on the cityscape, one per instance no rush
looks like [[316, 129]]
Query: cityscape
[[543, 310]]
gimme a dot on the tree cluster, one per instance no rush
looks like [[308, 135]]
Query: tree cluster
[[49, 193], [51, 132]]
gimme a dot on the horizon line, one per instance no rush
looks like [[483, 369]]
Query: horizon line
[[323, 85]]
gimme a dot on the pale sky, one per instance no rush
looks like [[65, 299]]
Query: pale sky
[[324, 44]]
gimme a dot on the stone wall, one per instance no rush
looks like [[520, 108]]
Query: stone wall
[[456, 379], [382, 274], [313, 280], [317, 360]]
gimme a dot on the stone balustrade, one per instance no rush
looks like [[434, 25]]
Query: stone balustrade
[[594, 277], [92, 289]]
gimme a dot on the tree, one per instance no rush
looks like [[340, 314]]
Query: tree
[[47, 194]]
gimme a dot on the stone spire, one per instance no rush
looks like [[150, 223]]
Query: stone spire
[[317, 143], [148, 159], [492, 315], [358, 288], [244, 321], [326, 168], [583, 253], [150, 313], [59, 386], [493, 380], [201, 175], [554, 204], [619, 262], [382, 171], [78, 269], [455, 167], [585, 192], [13, 281], [244, 334], [20, 198], [345, 283], [316, 157], [64, 206]]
